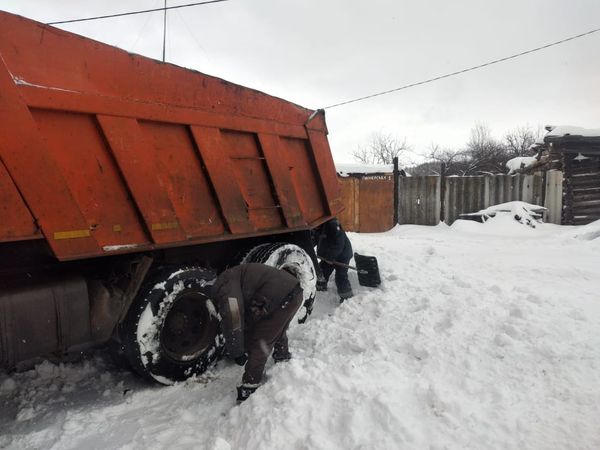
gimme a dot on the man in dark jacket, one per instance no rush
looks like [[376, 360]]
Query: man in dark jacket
[[256, 303], [333, 245]]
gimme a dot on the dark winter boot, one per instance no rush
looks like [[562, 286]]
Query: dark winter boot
[[281, 357], [244, 391], [345, 295], [322, 285]]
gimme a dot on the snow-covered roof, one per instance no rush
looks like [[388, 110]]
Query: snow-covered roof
[[574, 139], [345, 170], [567, 130]]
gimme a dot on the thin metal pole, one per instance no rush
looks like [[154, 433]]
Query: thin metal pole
[[165, 31], [396, 187], [443, 193]]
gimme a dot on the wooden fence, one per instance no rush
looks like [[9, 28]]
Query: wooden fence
[[369, 199], [421, 197]]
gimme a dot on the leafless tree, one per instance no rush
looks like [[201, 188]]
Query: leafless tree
[[381, 149], [445, 156], [519, 140], [484, 153]]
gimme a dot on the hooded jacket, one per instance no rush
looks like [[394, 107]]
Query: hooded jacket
[[332, 242], [245, 294]]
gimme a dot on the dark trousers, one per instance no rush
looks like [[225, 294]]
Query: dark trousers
[[341, 274], [268, 333]]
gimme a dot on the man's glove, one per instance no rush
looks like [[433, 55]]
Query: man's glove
[[241, 360]]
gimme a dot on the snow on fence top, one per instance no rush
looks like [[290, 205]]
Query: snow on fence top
[[520, 162], [345, 170]]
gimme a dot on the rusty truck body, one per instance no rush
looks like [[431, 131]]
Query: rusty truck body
[[126, 184]]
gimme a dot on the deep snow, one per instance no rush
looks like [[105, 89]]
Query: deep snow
[[481, 336]]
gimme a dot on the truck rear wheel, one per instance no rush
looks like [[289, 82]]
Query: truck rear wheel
[[172, 330], [293, 259]]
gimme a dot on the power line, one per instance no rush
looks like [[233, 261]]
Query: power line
[[131, 13], [458, 72]]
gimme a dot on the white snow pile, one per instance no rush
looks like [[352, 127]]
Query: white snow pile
[[522, 212], [520, 162], [345, 170], [587, 232], [482, 335]]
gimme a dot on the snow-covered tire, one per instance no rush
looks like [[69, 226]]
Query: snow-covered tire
[[172, 330], [294, 259]]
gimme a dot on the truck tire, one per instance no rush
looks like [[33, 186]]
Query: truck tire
[[172, 330], [294, 259]]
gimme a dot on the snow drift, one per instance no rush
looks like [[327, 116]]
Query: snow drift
[[481, 336]]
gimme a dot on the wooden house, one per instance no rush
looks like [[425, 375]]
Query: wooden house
[[578, 152]]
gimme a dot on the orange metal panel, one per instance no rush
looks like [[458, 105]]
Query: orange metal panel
[[76, 144], [45, 98], [129, 153], [349, 216], [50, 57], [181, 176], [138, 165], [26, 158], [250, 171], [220, 172], [304, 179], [16, 222], [376, 203], [326, 170], [272, 148]]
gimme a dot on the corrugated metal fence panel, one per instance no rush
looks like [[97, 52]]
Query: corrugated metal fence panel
[[419, 200], [471, 194], [553, 200], [464, 195], [420, 204]]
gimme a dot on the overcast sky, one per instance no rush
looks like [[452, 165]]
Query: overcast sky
[[320, 52]]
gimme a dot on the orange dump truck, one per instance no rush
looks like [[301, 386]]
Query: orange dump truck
[[126, 185]]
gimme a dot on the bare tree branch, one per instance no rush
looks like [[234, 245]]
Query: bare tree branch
[[519, 140], [381, 149]]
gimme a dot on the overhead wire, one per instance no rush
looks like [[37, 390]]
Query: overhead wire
[[192, 35], [131, 13], [366, 97], [139, 35], [458, 72]]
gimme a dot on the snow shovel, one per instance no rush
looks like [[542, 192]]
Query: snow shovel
[[366, 267]]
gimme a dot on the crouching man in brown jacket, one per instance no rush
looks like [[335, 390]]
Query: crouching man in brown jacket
[[256, 303]]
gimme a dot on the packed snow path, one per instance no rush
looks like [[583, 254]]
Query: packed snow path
[[481, 336]]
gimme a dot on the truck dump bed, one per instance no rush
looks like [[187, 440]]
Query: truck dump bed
[[102, 151]]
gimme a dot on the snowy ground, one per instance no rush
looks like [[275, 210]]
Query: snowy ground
[[481, 336]]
